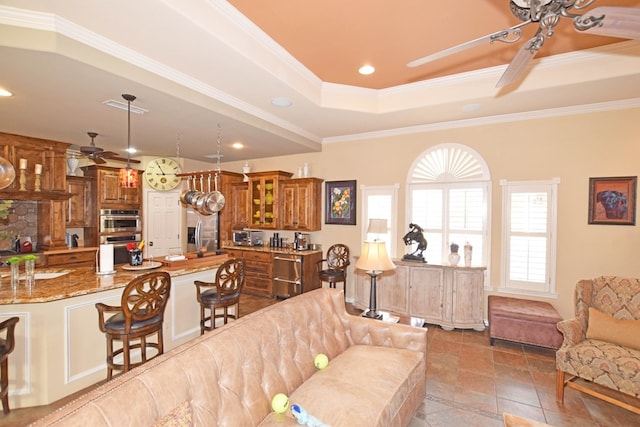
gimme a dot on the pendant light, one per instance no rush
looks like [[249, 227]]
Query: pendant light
[[128, 177]]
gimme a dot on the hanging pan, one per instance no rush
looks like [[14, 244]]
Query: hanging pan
[[185, 196], [215, 199], [199, 199]]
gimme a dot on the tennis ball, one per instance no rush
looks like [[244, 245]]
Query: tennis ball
[[280, 403], [321, 361]]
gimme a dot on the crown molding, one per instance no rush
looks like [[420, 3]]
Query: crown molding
[[490, 120]]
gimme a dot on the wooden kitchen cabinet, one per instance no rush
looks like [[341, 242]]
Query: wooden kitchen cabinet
[[301, 204], [264, 193], [77, 257], [258, 271], [452, 297], [80, 207], [239, 207], [229, 183], [53, 195], [109, 194]]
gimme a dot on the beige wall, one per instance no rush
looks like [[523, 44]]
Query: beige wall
[[572, 148]]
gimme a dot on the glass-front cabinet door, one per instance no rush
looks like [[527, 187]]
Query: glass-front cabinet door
[[263, 198]]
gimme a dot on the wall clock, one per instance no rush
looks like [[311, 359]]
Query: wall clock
[[161, 173]]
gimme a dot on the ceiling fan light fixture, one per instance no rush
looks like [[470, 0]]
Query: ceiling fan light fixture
[[526, 4]]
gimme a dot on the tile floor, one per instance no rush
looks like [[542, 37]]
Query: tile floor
[[469, 384]]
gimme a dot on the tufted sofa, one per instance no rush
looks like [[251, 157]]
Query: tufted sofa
[[602, 343], [376, 374]]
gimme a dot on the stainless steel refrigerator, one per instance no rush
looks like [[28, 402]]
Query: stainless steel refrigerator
[[202, 231]]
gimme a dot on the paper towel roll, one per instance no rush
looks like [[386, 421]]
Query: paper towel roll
[[106, 258]]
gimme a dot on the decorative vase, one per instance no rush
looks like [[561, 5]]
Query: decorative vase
[[454, 259], [245, 170], [30, 269], [72, 162], [468, 249], [15, 274], [305, 170]]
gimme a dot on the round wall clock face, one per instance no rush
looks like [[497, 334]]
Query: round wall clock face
[[161, 174]]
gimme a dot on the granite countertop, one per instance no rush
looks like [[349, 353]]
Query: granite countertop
[[78, 281], [269, 249]]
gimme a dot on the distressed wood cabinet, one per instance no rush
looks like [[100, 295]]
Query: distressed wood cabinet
[[53, 195], [108, 191], [258, 271], [452, 297], [264, 193], [301, 200], [79, 208], [239, 205]]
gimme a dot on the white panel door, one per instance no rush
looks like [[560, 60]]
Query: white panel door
[[164, 222]]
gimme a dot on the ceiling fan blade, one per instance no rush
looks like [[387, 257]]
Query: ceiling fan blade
[[501, 36], [623, 22], [122, 159], [519, 63], [98, 160]]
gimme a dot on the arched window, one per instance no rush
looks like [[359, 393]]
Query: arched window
[[449, 198]]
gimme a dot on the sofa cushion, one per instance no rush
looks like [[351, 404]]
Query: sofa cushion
[[603, 327], [379, 379]]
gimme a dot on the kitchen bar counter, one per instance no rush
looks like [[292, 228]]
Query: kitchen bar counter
[[59, 347], [76, 282]]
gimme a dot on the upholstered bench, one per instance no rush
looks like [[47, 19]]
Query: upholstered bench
[[524, 321]]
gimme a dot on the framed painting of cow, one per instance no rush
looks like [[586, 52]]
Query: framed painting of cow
[[612, 200]]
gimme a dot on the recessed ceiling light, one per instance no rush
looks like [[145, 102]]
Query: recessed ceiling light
[[4, 92], [214, 156], [281, 101], [130, 150], [237, 145], [365, 70], [124, 106]]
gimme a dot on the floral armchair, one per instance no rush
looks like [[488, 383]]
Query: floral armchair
[[602, 343]]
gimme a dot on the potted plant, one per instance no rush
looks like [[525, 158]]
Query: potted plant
[[454, 257]]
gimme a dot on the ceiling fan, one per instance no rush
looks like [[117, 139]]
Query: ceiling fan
[[98, 155], [623, 22]]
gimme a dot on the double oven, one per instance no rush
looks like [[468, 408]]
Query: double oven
[[119, 227]]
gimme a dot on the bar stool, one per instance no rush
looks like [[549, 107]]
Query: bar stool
[[337, 262], [6, 347], [223, 293], [140, 315]]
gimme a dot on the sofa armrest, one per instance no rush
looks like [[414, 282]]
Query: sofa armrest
[[363, 331], [574, 330]]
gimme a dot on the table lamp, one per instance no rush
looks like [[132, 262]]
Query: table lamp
[[374, 260]]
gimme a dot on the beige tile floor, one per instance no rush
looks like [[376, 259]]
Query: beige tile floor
[[469, 384]]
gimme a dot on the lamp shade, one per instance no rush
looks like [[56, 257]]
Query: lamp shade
[[128, 178], [374, 257], [377, 226]]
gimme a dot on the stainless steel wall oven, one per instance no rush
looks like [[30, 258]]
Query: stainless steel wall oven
[[119, 227], [120, 221]]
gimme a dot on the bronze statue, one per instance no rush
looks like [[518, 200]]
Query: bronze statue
[[415, 235]]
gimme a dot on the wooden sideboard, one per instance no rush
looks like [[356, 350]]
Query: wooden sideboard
[[452, 297]]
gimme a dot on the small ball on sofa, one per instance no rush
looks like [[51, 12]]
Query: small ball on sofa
[[280, 403], [321, 361]]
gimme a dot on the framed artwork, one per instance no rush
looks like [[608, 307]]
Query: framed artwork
[[612, 200], [340, 200]]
